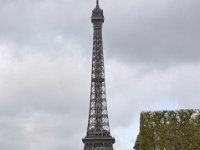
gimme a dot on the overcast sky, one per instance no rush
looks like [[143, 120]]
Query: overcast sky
[[152, 61]]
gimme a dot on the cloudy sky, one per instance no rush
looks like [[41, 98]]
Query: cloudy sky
[[152, 60]]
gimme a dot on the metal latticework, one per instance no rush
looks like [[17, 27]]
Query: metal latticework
[[98, 132]]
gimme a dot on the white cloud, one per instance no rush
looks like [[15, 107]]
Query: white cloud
[[39, 98]]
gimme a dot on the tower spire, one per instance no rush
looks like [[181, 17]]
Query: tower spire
[[97, 3]]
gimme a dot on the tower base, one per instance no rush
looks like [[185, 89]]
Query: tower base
[[97, 143]]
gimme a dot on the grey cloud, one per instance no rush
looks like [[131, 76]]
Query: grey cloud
[[44, 24], [45, 54], [38, 101], [161, 32], [153, 31]]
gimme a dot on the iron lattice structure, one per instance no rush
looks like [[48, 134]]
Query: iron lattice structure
[[98, 132]]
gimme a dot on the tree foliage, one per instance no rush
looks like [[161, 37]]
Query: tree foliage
[[170, 130]]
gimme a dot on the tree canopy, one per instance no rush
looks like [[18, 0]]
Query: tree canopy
[[169, 130]]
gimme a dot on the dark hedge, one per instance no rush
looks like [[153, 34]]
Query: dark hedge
[[169, 130]]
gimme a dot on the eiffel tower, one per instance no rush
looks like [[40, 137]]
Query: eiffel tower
[[98, 131]]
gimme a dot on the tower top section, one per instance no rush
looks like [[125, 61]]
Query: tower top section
[[97, 14]]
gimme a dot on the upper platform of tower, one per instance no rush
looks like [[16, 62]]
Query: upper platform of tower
[[97, 13]]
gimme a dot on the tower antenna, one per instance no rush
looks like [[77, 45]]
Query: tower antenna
[[97, 3]]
